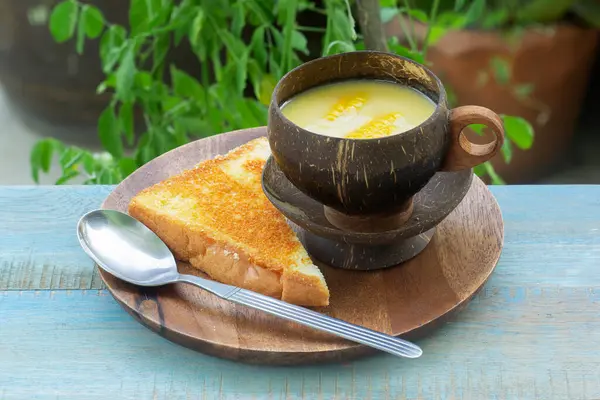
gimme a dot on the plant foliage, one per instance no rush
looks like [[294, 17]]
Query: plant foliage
[[244, 47]]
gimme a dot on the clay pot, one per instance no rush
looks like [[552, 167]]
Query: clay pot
[[48, 84], [556, 60]]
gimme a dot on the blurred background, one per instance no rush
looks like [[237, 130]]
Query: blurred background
[[91, 90]]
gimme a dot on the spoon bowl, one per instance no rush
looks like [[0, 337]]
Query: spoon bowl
[[127, 249]]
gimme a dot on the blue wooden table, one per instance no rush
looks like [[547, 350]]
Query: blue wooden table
[[532, 333]]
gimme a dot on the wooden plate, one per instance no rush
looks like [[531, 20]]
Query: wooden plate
[[407, 300]]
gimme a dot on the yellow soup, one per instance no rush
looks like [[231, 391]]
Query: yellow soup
[[359, 109]]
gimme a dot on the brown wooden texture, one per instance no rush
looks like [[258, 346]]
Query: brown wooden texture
[[464, 154], [406, 300]]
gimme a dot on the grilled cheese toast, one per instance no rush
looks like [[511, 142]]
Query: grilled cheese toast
[[216, 217]]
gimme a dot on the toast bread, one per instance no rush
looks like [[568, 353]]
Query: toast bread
[[216, 217]]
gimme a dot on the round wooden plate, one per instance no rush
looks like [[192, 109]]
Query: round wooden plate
[[407, 300]]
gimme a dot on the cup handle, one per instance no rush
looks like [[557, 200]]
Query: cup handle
[[464, 154]]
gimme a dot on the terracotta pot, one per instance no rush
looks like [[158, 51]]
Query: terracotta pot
[[556, 61], [48, 84]]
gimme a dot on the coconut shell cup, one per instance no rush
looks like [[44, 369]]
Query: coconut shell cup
[[374, 178]]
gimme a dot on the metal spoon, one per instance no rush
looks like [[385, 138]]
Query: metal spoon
[[127, 249]]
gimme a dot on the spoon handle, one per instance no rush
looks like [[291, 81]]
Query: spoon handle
[[304, 316], [369, 337]]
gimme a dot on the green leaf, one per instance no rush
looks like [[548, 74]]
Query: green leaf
[[405, 52], [475, 12], [91, 23], [143, 151], [223, 92], [256, 74], [342, 27], [181, 16], [138, 16], [178, 134], [145, 15], [63, 20], [186, 86], [507, 151], [274, 66], [88, 162], [176, 109], [341, 46], [519, 131], [257, 9], [170, 102], [143, 80], [80, 42], [103, 160], [216, 119], [239, 18], [435, 34], [543, 10], [41, 157], [259, 110], [452, 20], [196, 29], [159, 143], [94, 21], [195, 125], [281, 7], [353, 34], [234, 45], [267, 85], [101, 87], [126, 121], [477, 128], [241, 73], [125, 75], [387, 3], [496, 179], [70, 156], [299, 42], [67, 176], [127, 166], [111, 47], [248, 119], [417, 14], [105, 177], [108, 131], [257, 44], [496, 19], [162, 44], [479, 170], [159, 12], [501, 69], [458, 4]]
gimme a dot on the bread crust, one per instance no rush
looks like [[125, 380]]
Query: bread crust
[[227, 262]]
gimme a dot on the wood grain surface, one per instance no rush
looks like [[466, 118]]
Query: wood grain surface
[[38, 245], [532, 333], [409, 300], [527, 343]]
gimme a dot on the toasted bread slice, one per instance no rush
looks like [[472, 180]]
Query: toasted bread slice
[[216, 217]]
